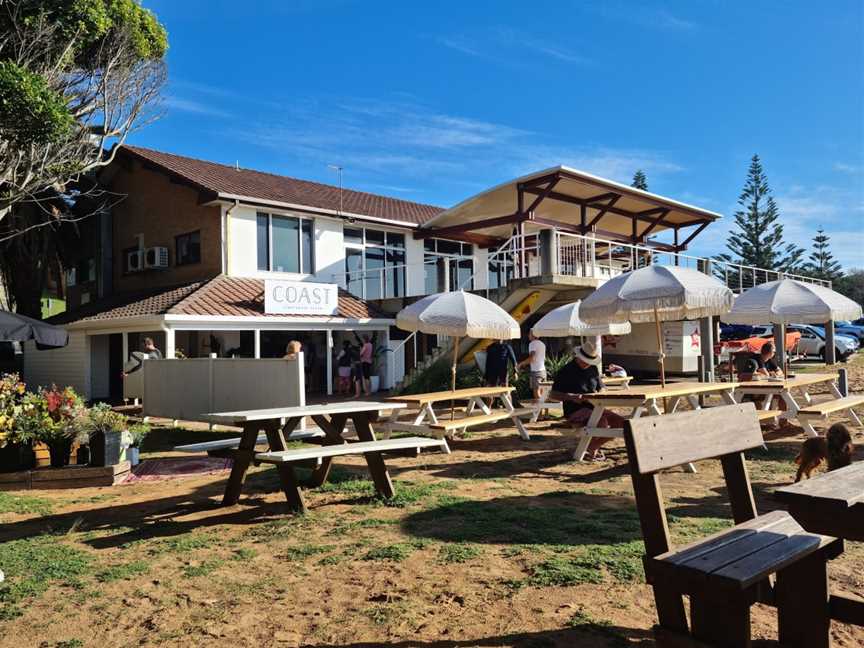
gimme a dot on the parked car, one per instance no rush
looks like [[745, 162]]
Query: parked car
[[851, 329], [735, 331], [812, 342]]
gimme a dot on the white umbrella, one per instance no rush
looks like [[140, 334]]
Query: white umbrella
[[458, 314], [790, 301], [657, 293], [564, 321]]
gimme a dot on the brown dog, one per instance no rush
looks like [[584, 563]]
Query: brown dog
[[836, 446]]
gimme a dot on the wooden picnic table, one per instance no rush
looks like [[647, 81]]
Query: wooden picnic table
[[785, 388], [331, 418], [831, 504], [543, 403], [476, 401], [646, 399]]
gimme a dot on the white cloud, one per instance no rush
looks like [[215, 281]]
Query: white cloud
[[495, 44], [851, 169], [195, 107], [639, 14]]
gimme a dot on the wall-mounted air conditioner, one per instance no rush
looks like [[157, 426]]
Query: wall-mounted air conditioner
[[135, 261], [156, 257]]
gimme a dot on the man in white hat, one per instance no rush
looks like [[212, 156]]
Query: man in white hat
[[582, 376]]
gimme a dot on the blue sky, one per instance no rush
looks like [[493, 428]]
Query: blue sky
[[436, 101]]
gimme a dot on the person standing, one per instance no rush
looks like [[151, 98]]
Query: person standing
[[343, 363], [536, 362], [499, 358], [366, 364], [149, 352]]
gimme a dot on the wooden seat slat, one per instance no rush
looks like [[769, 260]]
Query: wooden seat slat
[[320, 452], [459, 394], [469, 421], [765, 415], [730, 553], [721, 538], [227, 444], [751, 569], [830, 406]]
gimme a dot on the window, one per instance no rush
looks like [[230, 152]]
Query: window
[[374, 263], [187, 248], [285, 244], [84, 271], [460, 258], [500, 271]]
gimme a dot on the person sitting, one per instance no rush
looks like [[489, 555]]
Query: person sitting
[[766, 365], [578, 377]]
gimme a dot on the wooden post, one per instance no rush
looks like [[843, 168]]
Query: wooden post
[[453, 376], [780, 346], [830, 349], [660, 352], [843, 381]]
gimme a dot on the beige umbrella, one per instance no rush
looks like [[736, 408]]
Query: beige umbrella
[[458, 314], [657, 294]]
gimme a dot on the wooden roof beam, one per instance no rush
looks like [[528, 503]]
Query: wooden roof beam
[[656, 222], [443, 232]]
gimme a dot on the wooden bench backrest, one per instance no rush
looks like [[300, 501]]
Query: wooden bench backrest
[[658, 442]]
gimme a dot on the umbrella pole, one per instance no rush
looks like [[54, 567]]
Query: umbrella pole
[[453, 377], [660, 347]]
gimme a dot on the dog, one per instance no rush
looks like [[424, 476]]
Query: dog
[[836, 446]]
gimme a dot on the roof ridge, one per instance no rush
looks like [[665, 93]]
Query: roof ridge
[[139, 149]]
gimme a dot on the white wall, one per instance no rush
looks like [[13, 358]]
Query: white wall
[[415, 279], [187, 389], [67, 366], [329, 251]]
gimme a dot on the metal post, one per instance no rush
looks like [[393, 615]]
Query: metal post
[[329, 345], [706, 338], [780, 345], [843, 382], [256, 343], [442, 269], [169, 343], [830, 351]]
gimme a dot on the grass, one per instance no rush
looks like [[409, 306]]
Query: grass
[[24, 504], [31, 565], [408, 493], [458, 553], [187, 542], [203, 569], [581, 620], [125, 571], [301, 553], [395, 552], [560, 571]]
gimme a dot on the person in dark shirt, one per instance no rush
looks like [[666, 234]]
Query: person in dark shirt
[[765, 362], [578, 377], [499, 358]]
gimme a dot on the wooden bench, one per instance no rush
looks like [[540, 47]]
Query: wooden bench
[[724, 574], [447, 426], [767, 415], [818, 412], [362, 447], [214, 448]]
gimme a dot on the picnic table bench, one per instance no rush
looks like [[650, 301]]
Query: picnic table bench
[[725, 573], [645, 399], [218, 447], [818, 412], [331, 418], [832, 503], [784, 389], [477, 412]]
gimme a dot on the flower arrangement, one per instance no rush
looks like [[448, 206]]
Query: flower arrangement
[[52, 416], [138, 431], [12, 391]]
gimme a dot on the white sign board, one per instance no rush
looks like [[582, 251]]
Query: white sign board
[[283, 297]]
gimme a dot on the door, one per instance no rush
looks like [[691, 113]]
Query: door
[[115, 367]]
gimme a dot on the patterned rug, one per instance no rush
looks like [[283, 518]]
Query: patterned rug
[[160, 469]]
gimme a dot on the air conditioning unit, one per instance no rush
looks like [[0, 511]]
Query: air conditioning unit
[[156, 257], [135, 261]]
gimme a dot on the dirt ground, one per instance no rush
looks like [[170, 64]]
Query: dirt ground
[[501, 543]]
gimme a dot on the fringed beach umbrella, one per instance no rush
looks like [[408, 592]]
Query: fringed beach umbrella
[[458, 314], [657, 294], [789, 300], [564, 321]]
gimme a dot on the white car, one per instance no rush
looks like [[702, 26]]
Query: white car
[[812, 342]]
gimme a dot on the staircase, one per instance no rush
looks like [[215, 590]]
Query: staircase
[[442, 352]]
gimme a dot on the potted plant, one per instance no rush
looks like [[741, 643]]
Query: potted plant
[[16, 453], [51, 416], [377, 359], [137, 431], [104, 428]]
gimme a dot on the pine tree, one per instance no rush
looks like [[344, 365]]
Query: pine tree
[[639, 180], [822, 264], [757, 239]]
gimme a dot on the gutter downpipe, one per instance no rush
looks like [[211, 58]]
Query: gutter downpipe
[[226, 229]]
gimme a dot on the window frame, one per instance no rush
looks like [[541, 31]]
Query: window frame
[[386, 247], [177, 261], [300, 244]]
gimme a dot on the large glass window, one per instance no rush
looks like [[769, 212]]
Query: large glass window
[[285, 244], [374, 263], [500, 271], [187, 248], [459, 257]]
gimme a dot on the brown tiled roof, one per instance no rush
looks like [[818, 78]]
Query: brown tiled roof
[[221, 296], [220, 178]]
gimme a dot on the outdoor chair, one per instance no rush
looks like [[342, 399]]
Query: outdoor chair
[[763, 558]]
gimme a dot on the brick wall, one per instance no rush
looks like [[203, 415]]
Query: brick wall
[[160, 210]]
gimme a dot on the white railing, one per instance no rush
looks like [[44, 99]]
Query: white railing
[[588, 256], [385, 281]]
